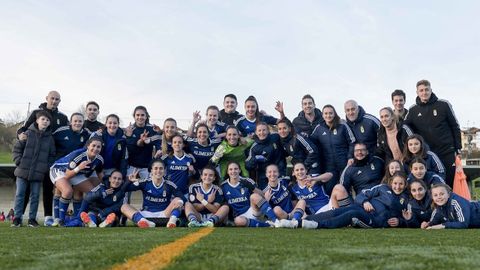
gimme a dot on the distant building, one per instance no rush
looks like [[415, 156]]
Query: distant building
[[470, 139]]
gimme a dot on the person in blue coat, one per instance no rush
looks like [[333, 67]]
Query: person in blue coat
[[419, 207], [300, 148], [335, 140], [71, 137], [364, 125], [365, 172], [114, 148], [101, 205], [264, 151], [450, 211]]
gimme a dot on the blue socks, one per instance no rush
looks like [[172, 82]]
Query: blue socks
[[63, 207], [136, 217], [267, 210], [298, 214], [176, 212], [56, 202], [76, 207]]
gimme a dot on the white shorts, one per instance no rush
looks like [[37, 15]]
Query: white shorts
[[142, 172], [148, 214], [56, 174], [325, 208], [251, 214]]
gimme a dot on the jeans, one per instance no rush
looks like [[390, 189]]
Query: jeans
[[22, 185]]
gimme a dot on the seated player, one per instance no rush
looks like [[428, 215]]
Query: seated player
[[204, 207], [245, 199], [161, 198], [101, 206]]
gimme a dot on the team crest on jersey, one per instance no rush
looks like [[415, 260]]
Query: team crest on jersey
[[324, 133], [359, 172], [335, 132], [434, 112], [58, 121], [402, 200], [164, 193], [362, 129], [242, 191], [81, 139], [119, 147], [66, 138], [114, 198], [291, 148], [212, 149], [192, 197], [310, 189], [419, 114], [372, 166], [275, 146], [72, 164]]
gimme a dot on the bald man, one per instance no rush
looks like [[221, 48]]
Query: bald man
[[58, 120]]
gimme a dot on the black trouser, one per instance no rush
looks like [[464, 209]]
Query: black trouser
[[448, 161], [47, 196]]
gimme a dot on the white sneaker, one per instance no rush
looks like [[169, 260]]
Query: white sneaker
[[287, 223], [48, 221], [309, 224], [56, 222]]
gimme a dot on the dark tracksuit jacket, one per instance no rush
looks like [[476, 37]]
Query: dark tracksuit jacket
[[383, 150], [303, 126], [302, 150], [58, 119], [365, 129], [457, 213], [141, 156], [363, 174]]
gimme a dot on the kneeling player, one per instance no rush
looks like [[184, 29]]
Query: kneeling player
[[279, 195], [161, 198], [245, 199], [204, 206], [102, 204]]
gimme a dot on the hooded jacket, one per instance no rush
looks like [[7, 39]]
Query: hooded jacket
[[34, 155], [304, 127], [436, 122], [365, 129]]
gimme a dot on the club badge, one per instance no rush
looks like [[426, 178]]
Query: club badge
[[242, 191], [164, 193], [114, 198], [81, 139], [192, 197], [372, 166], [362, 130], [434, 112], [119, 147], [335, 132]]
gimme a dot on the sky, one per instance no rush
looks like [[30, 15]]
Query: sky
[[175, 57]]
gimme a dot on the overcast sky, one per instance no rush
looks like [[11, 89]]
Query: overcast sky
[[177, 56]]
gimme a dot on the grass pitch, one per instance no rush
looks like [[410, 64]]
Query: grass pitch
[[243, 248]]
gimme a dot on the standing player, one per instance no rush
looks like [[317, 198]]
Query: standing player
[[246, 125], [161, 198], [229, 114], [245, 199], [216, 128], [204, 206], [308, 118], [201, 148], [91, 123], [179, 165]]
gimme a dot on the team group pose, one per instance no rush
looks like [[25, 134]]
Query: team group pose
[[254, 170]]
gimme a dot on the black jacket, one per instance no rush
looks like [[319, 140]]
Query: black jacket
[[229, 118], [34, 155], [58, 119], [436, 122], [304, 127]]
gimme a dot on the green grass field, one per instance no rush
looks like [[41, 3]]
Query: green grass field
[[243, 248], [6, 157]]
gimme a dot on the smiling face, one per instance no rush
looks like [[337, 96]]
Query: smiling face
[[250, 109], [212, 116], [208, 176], [53, 99], [351, 110], [283, 130], [418, 170], [157, 171], [261, 131], [398, 103], [112, 125], [308, 106], [424, 92], [115, 179], [440, 195], [140, 117], [232, 136], [77, 122], [92, 112], [398, 184], [414, 145], [394, 167], [328, 115], [272, 175], [229, 105], [299, 171], [94, 148], [418, 191], [202, 134], [177, 144], [233, 171], [360, 151], [386, 118], [170, 128]]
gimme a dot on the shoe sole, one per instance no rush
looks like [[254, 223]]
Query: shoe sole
[[171, 225], [143, 224], [108, 221]]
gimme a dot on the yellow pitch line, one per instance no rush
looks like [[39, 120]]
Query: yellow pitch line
[[163, 255]]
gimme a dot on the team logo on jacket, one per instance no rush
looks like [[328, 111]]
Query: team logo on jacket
[[58, 121], [419, 114], [434, 112], [242, 191], [81, 139], [114, 198], [372, 166], [335, 132], [66, 138], [402, 201], [291, 148], [324, 133], [192, 197], [119, 147], [72, 164], [362, 129]]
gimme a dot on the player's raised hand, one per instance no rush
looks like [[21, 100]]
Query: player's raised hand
[[129, 130], [199, 195], [212, 195]]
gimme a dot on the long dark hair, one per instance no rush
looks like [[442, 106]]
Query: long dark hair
[[336, 118], [407, 155]]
